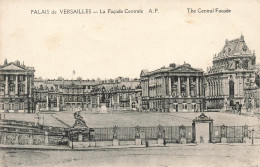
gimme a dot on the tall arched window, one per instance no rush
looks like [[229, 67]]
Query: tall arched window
[[11, 87], [231, 88]]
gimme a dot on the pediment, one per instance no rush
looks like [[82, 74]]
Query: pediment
[[12, 67], [143, 72], [185, 69]]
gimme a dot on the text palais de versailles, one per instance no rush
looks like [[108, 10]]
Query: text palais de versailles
[[91, 11]]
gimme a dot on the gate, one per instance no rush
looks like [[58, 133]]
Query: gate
[[235, 134]]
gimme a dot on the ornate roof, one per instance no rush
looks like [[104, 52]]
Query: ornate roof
[[235, 47]]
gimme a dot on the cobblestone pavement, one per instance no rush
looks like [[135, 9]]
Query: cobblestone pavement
[[200, 155]]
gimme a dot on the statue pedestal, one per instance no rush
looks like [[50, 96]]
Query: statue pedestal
[[115, 142], [160, 141], [223, 140], [103, 108], [183, 141], [79, 134], [246, 140], [138, 141]]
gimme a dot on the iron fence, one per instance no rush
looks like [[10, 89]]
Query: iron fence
[[234, 134], [216, 134]]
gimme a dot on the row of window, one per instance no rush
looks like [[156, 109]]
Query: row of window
[[11, 88], [11, 106], [13, 77]]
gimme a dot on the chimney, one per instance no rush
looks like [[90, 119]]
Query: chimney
[[5, 62], [172, 65]]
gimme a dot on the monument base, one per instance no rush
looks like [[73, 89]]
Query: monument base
[[103, 108], [160, 141], [183, 141], [246, 140], [138, 141], [223, 140], [115, 142]]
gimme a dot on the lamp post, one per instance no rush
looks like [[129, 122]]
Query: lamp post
[[253, 136], [71, 139]]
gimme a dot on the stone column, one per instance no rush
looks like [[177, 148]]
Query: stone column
[[98, 100], [25, 88], [6, 85], [47, 102], [237, 93], [130, 99], [188, 86], [179, 86], [221, 87], [112, 100], [91, 101], [16, 84], [30, 86], [46, 138], [58, 103], [117, 99], [197, 86], [208, 89], [213, 89], [170, 86]]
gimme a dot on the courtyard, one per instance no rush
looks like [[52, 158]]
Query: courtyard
[[131, 119]]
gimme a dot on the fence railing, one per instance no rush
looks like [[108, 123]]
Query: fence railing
[[171, 134]]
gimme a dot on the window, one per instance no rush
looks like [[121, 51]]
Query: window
[[2, 89], [184, 106], [193, 106], [11, 78], [11, 106], [231, 88], [133, 105], [21, 78], [21, 106], [1, 106], [11, 88], [2, 78], [21, 88]]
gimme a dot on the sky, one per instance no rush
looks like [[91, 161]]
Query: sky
[[111, 45]]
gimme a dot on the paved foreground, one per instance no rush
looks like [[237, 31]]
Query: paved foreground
[[200, 155]]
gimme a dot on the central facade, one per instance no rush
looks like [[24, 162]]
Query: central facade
[[172, 89]]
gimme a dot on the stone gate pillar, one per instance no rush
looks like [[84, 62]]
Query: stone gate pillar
[[202, 127]]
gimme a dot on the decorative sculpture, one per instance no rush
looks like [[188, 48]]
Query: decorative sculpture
[[79, 122], [115, 132], [137, 132], [160, 133]]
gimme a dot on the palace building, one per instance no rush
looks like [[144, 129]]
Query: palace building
[[58, 95], [232, 83], [70, 95], [120, 94], [172, 89], [16, 85], [232, 71]]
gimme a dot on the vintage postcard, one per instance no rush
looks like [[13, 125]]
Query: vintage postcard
[[129, 83]]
